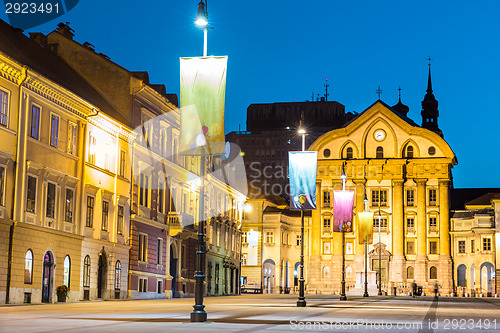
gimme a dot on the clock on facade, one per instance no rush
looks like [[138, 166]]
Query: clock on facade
[[379, 135]]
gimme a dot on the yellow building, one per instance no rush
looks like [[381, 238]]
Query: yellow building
[[475, 246], [405, 172]]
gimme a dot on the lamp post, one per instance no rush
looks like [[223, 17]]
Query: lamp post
[[301, 302], [199, 314], [343, 296], [379, 254], [201, 22], [365, 294]]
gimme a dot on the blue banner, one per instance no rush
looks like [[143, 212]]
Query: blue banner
[[302, 173]]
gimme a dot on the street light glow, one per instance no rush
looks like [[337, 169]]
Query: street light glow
[[201, 22], [302, 131], [247, 208]]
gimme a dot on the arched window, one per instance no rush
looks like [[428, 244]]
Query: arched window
[[433, 273], [409, 152], [380, 152], [66, 271], [28, 267], [348, 153], [118, 275], [410, 272], [86, 271], [326, 272]]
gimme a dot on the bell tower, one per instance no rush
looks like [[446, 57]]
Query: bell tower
[[430, 111]]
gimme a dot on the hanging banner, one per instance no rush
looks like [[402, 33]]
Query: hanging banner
[[365, 230], [202, 96], [343, 202], [302, 174]]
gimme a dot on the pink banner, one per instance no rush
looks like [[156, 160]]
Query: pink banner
[[343, 202]]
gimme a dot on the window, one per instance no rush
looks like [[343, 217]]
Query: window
[[92, 148], [432, 223], [244, 237], [433, 247], [383, 223], [410, 247], [472, 249], [432, 151], [143, 247], [159, 286], [326, 247], [119, 221], [90, 212], [31, 195], [327, 225], [410, 272], [68, 206], [2, 185], [143, 285], [410, 224], [409, 152], [270, 237], [326, 198], [379, 198], [118, 275], [72, 138], [326, 153], [349, 153], [380, 152], [51, 200], [107, 160], [433, 273], [244, 259], [461, 246], [486, 244], [54, 130], [67, 271], [183, 256], [123, 160], [35, 122], [4, 107], [105, 215], [299, 238], [86, 272], [161, 196], [159, 252], [432, 197], [143, 190], [410, 198], [28, 267]]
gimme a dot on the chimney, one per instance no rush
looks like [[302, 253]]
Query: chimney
[[323, 99], [64, 29], [89, 46], [39, 38]]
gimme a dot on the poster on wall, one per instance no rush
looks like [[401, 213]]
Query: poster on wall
[[302, 175]]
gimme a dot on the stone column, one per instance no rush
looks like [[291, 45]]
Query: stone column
[[445, 271], [421, 257], [398, 264]]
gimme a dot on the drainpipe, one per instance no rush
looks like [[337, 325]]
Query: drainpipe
[[24, 76]]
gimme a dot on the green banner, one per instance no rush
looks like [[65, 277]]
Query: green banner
[[202, 95]]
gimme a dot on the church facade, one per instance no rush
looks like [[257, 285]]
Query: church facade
[[404, 171]]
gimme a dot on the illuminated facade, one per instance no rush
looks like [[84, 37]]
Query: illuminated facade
[[474, 239], [42, 148], [271, 246], [405, 172]]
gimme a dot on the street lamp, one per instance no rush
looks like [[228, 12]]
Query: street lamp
[[379, 254], [343, 296], [201, 22], [199, 314], [365, 294], [301, 302]]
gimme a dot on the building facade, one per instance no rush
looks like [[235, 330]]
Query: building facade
[[271, 245], [404, 170], [475, 247]]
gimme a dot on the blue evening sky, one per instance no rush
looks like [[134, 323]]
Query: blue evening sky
[[280, 51]]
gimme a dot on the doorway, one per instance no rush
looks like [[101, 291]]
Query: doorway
[[101, 275], [48, 264]]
